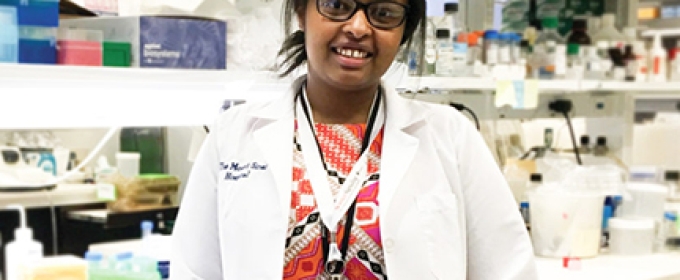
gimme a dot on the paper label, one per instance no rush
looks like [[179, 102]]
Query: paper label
[[106, 192]]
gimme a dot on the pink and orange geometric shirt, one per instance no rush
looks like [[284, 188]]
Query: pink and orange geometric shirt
[[303, 258]]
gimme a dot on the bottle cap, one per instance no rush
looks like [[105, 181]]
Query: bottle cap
[[601, 141], [573, 49], [473, 39], [146, 226], [671, 216], [672, 175], [93, 256], [450, 7], [443, 33], [491, 33], [524, 204], [551, 22], [585, 140], [536, 177]]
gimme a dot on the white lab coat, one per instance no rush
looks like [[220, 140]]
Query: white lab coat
[[446, 211]]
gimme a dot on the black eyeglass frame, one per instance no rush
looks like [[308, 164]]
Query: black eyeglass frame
[[365, 8]]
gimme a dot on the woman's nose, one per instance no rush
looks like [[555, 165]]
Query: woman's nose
[[358, 25]]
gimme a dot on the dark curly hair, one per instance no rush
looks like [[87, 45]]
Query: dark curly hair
[[293, 48]]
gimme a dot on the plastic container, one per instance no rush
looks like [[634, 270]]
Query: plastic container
[[550, 33], [631, 236], [57, 268], [445, 55], [117, 54], [79, 47], [43, 13], [37, 45], [491, 47], [609, 33], [672, 178], [643, 200], [9, 35], [23, 250], [128, 164], [566, 225]]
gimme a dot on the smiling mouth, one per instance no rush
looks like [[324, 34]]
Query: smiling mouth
[[352, 53]]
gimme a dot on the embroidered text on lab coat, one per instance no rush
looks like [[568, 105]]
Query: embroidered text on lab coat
[[234, 171]]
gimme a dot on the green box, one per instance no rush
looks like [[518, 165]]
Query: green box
[[117, 54]]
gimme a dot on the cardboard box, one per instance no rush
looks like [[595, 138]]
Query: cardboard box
[[164, 42]]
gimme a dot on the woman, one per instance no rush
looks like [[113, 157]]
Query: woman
[[272, 189]]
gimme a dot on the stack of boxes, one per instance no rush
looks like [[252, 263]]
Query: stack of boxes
[[35, 24]]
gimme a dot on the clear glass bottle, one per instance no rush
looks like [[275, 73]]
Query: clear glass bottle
[[671, 179], [546, 65], [606, 63], [594, 69], [550, 32], [560, 62], [601, 148], [444, 65], [575, 63], [609, 34]]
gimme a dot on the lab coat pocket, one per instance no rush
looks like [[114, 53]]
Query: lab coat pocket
[[441, 227]]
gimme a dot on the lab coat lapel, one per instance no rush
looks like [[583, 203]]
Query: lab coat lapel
[[273, 132], [399, 146]]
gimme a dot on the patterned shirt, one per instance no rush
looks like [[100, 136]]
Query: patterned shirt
[[340, 145]]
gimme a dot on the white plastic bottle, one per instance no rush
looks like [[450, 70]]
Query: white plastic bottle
[[23, 249], [641, 56], [609, 33], [675, 63], [444, 65], [658, 71]]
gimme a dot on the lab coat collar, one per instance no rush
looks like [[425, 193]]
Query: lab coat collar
[[275, 120]]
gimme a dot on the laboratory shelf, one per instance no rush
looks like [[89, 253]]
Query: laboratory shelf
[[67, 97], [50, 96]]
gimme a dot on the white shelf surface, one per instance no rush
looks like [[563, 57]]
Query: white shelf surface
[[49, 96], [454, 83], [62, 195], [56, 96], [650, 267]]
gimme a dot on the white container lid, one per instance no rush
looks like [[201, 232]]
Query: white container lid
[[128, 155], [633, 224], [647, 187]]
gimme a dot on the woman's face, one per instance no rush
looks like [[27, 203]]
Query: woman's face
[[349, 54]]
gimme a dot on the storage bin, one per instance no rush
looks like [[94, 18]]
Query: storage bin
[[631, 236], [9, 38], [37, 45], [44, 13], [79, 47], [566, 224]]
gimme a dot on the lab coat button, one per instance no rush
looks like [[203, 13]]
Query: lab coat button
[[388, 245]]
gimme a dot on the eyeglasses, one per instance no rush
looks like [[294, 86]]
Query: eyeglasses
[[380, 14]]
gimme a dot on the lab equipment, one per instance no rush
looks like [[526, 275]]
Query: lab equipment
[[642, 58], [9, 34], [566, 224], [601, 148], [631, 236], [578, 34], [550, 33], [444, 66], [56, 268], [631, 63], [643, 200], [128, 164], [671, 178], [23, 250], [658, 65], [609, 34]]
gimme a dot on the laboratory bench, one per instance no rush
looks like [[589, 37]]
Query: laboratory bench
[[661, 266], [69, 218]]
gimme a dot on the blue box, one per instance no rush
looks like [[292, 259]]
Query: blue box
[[164, 42], [36, 12], [9, 34], [37, 45]]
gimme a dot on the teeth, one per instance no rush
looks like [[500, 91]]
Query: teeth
[[352, 53]]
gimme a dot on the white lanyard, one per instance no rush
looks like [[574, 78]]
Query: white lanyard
[[332, 210]]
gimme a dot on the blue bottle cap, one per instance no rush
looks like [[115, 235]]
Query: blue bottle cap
[[524, 204], [93, 256], [124, 256], [147, 225], [671, 216], [491, 33]]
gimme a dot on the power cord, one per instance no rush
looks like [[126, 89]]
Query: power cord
[[564, 106], [461, 108]]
